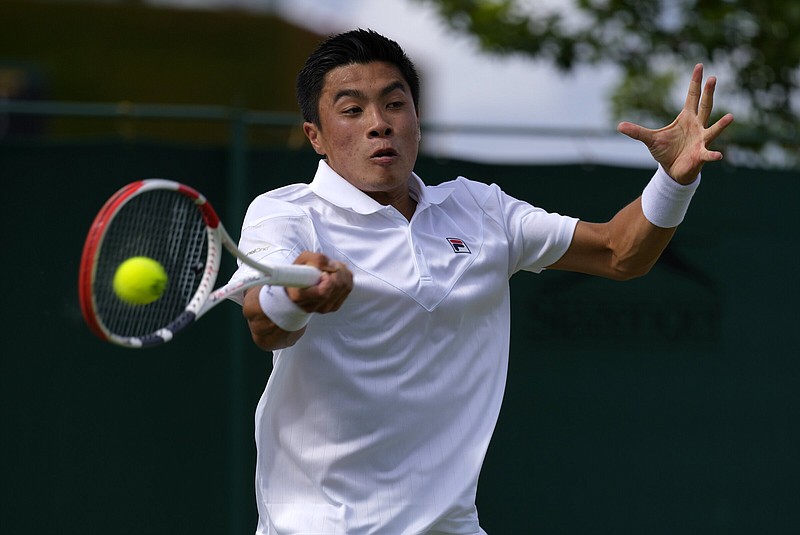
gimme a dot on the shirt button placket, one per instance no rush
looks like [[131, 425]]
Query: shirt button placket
[[422, 265]]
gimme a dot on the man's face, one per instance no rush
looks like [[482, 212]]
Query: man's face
[[369, 128]]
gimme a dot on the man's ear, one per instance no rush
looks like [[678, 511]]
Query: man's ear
[[313, 134]]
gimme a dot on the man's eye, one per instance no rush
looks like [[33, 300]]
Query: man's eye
[[352, 111], [394, 105]]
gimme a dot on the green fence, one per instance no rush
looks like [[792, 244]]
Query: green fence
[[668, 404]]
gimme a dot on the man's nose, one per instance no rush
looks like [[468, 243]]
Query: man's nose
[[380, 126], [382, 132]]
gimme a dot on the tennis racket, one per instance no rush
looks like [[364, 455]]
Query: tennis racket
[[175, 225]]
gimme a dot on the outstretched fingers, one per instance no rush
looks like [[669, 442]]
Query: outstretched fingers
[[706, 105], [634, 131], [713, 133], [682, 146], [693, 96], [702, 103], [707, 100]]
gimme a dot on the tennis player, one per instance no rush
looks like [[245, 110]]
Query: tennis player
[[389, 374]]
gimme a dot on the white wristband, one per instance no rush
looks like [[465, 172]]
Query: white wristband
[[281, 310], [664, 201]]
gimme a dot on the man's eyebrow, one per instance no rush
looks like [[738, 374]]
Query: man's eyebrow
[[358, 94], [391, 87], [353, 93]]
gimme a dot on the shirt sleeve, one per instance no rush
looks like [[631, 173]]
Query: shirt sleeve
[[536, 238], [273, 232], [544, 238]]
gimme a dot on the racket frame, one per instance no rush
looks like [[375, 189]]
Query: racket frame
[[205, 297]]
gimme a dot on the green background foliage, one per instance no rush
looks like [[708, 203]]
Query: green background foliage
[[754, 45]]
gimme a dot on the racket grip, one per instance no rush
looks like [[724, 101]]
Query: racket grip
[[294, 275]]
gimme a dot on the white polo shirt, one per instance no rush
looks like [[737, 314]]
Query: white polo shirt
[[378, 419]]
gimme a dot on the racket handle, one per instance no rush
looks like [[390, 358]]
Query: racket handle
[[294, 275]]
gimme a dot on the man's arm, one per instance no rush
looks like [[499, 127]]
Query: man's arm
[[629, 245], [289, 308], [624, 248]]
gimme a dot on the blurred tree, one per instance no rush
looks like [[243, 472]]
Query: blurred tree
[[753, 44]]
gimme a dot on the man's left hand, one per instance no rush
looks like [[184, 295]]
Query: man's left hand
[[682, 147]]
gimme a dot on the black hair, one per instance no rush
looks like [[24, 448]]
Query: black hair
[[353, 47]]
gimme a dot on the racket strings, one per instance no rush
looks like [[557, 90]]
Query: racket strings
[[163, 225]]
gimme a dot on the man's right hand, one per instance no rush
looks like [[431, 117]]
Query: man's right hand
[[326, 296], [332, 289]]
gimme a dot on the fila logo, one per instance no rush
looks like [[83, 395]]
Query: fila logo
[[458, 245]]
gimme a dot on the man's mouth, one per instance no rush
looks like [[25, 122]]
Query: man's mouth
[[383, 153]]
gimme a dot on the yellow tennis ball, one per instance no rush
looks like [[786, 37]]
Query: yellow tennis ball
[[140, 280]]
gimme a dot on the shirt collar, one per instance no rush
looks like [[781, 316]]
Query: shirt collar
[[333, 188]]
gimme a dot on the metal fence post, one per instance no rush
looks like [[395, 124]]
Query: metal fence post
[[236, 188]]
